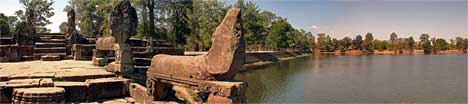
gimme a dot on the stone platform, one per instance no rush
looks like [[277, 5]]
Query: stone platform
[[65, 70], [81, 81]]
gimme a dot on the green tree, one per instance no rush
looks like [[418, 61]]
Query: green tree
[[205, 18], [92, 16], [63, 27], [321, 41], [424, 40], [278, 35], [393, 41], [378, 45], [347, 42], [4, 26], [36, 13], [440, 44], [254, 26], [460, 43], [179, 21], [357, 42], [411, 44], [311, 40], [368, 43]]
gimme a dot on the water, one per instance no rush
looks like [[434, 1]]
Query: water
[[361, 79]]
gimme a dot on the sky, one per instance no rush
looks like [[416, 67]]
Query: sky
[[340, 18]]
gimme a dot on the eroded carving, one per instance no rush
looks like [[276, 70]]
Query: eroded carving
[[221, 63], [123, 22]]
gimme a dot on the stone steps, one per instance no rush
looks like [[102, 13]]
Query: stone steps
[[50, 47], [50, 50], [53, 36], [7, 40], [52, 40], [142, 61], [38, 56]]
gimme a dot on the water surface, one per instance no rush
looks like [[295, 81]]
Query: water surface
[[361, 79]]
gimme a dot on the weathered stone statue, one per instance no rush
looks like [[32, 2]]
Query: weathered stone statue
[[70, 22], [123, 22], [72, 36], [203, 73], [75, 42]]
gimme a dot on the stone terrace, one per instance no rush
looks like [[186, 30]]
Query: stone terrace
[[67, 70]]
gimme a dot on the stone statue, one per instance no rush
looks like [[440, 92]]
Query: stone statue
[[71, 22], [71, 35], [123, 23], [221, 63]]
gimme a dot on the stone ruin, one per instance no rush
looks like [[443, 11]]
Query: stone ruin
[[75, 42], [8, 47], [20, 43], [123, 23], [79, 47], [209, 74]]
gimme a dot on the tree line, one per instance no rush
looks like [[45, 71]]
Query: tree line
[[189, 24], [325, 43]]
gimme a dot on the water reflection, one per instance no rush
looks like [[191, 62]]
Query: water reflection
[[358, 79]]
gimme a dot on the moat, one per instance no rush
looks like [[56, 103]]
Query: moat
[[361, 79]]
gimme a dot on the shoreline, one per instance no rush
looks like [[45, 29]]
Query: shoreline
[[257, 60], [388, 52]]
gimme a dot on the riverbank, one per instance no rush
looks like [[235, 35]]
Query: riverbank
[[259, 59], [388, 52], [256, 60]]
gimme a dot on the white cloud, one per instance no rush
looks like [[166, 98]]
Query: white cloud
[[314, 27]]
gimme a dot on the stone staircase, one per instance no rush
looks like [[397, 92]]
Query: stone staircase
[[7, 40], [50, 47], [142, 61], [142, 57]]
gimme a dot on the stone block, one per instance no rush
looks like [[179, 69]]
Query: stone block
[[8, 87], [120, 68], [46, 82], [4, 77], [78, 75], [42, 75], [213, 99], [100, 61], [227, 92], [83, 51], [51, 58], [140, 93], [22, 83], [9, 53], [74, 91], [3, 95], [44, 95], [106, 88]]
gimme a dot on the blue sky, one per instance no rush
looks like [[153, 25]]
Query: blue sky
[[339, 18]]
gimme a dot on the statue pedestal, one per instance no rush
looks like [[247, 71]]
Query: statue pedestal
[[123, 63], [228, 92]]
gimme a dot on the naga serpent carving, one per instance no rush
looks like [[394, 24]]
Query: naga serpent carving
[[221, 63]]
